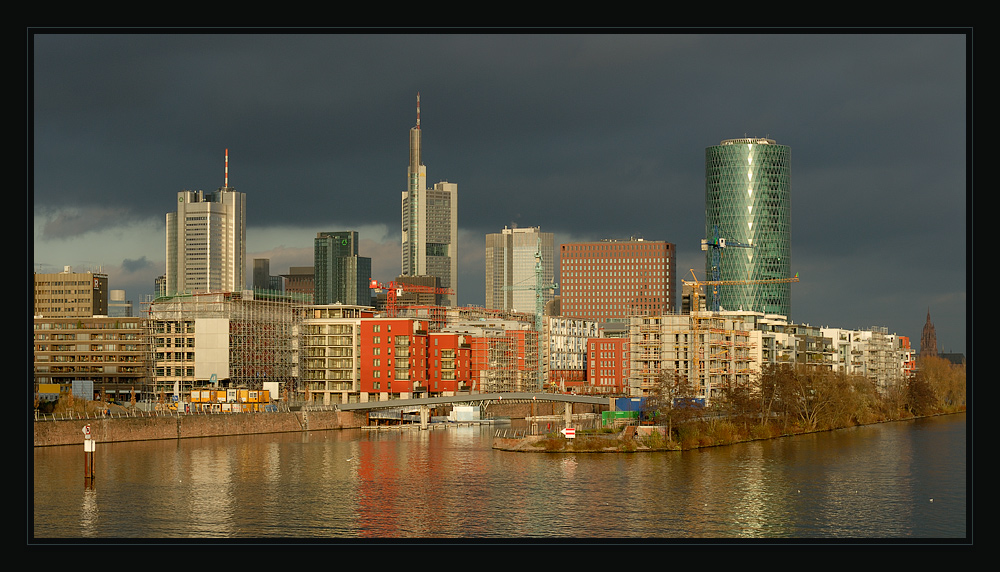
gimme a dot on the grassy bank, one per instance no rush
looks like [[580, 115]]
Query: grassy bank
[[781, 401], [690, 435]]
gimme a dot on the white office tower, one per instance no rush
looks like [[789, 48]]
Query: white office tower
[[206, 241], [429, 223], [510, 268]]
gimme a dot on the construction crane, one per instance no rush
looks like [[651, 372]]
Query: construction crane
[[717, 245], [697, 284], [396, 289], [539, 302], [537, 287]]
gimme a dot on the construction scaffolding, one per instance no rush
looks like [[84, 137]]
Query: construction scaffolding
[[243, 340], [646, 347], [504, 355], [881, 360], [709, 350], [435, 316]]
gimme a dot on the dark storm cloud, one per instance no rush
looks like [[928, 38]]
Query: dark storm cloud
[[588, 136], [71, 224], [129, 266]]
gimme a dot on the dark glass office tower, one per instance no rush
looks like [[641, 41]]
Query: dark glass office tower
[[341, 275]]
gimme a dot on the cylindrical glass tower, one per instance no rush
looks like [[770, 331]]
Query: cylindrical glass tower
[[748, 224]]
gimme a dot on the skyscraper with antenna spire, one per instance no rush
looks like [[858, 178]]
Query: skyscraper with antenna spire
[[429, 222], [206, 241]]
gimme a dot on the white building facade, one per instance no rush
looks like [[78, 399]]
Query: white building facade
[[206, 242], [511, 280], [564, 351]]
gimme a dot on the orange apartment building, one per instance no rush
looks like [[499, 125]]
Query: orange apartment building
[[394, 357], [400, 358], [607, 365]]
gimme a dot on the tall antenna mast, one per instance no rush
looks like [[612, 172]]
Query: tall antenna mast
[[418, 110], [227, 169]]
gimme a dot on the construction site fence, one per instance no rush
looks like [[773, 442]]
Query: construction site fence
[[129, 413]]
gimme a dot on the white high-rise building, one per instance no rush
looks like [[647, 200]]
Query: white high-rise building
[[510, 268], [206, 241], [429, 223]]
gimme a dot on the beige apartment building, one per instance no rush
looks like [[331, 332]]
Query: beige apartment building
[[70, 294], [111, 352], [708, 349], [330, 352]]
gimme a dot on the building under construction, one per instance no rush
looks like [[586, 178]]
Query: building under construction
[[226, 340], [505, 354], [886, 359], [707, 349]]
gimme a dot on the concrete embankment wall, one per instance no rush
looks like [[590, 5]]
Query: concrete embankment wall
[[116, 429]]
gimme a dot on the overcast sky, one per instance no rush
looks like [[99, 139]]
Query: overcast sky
[[588, 136]]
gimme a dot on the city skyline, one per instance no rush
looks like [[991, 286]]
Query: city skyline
[[535, 128]]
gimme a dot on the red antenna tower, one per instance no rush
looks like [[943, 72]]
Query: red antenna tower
[[227, 168]]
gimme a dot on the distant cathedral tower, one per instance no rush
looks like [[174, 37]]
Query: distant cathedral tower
[[928, 339]]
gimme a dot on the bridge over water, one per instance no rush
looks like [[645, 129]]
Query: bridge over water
[[424, 404]]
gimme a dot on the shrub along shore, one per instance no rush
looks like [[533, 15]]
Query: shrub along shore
[[782, 401]]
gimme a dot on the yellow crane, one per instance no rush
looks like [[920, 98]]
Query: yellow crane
[[696, 307], [697, 284]]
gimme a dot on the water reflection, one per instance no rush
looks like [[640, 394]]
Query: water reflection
[[89, 513], [868, 482]]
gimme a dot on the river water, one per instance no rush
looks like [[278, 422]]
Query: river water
[[902, 480]]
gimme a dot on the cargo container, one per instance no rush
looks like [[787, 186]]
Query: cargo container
[[609, 418], [49, 388], [630, 403]]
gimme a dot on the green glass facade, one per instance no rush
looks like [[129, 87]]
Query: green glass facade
[[341, 275], [748, 203]]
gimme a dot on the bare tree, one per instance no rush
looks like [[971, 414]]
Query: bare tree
[[808, 394], [742, 398], [671, 387]]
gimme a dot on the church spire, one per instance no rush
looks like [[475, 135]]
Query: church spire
[[928, 338]]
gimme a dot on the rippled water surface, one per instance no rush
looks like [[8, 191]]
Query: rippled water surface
[[896, 480]]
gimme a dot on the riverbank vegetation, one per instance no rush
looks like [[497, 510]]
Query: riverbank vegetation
[[786, 400], [781, 400]]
